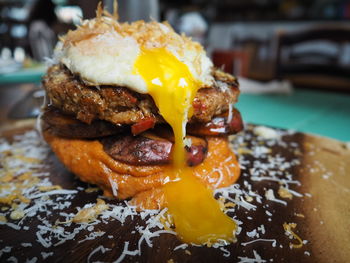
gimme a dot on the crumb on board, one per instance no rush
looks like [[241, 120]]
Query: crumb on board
[[266, 132], [49, 188], [16, 214], [92, 189], [284, 193], [299, 215], [291, 234]]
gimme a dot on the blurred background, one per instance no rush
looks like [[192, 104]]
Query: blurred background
[[292, 57]]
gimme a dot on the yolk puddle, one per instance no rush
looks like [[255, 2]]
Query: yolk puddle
[[196, 214]]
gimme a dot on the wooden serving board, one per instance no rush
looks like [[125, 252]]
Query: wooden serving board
[[316, 170]]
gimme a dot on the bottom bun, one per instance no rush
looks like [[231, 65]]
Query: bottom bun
[[88, 160]]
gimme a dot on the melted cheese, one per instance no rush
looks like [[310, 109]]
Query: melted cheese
[[196, 214]]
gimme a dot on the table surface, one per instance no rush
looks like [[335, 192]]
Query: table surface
[[311, 111]]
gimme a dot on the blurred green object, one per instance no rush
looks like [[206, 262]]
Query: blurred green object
[[25, 75], [310, 111]]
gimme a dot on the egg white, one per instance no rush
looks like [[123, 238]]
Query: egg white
[[108, 59]]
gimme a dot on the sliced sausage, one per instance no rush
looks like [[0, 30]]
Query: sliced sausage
[[150, 149], [221, 125]]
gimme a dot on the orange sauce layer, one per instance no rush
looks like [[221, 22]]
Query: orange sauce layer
[[144, 184]]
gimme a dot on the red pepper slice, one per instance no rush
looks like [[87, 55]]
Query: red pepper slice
[[143, 125]]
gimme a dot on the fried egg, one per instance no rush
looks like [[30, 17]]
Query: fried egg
[[104, 52]]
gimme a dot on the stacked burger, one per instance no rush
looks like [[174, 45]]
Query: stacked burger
[[124, 99]]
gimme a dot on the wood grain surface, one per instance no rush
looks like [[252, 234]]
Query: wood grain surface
[[320, 209]]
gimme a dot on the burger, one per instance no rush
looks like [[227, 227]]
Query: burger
[[140, 111]]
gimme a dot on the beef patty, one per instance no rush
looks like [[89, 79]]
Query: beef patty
[[119, 105]]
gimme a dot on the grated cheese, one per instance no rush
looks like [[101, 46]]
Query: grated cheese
[[226, 252], [182, 246], [46, 255], [22, 159], [33, 260], [96, 250], [269, 195], [6, 249], [114, 186], [261, 228], [257, 259], [11, 225], [273, 241], [26, 244], [89, 214], [126, 252], [12, 259], [92, 236]]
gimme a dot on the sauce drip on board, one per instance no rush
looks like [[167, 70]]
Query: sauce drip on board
[[197, 215]]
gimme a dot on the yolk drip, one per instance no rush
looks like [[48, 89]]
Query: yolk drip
[[196, 214], [173, 88]]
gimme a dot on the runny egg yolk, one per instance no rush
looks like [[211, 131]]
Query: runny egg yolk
[[172, 87], [196, 214]]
